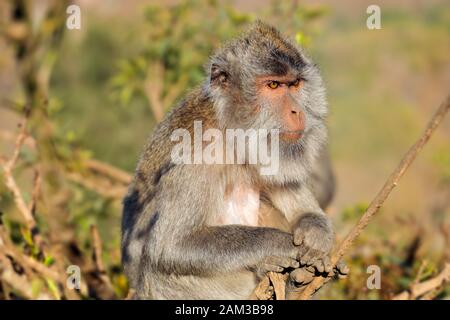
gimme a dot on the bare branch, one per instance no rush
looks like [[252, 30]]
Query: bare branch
[[92, 165], [379, 200], [10, 182], [97, 254], [261, 291], [376, 204], [36, 191], [130, 294], [98, 261], [430, 286], [108, 170], [98, 185], [153, 89]]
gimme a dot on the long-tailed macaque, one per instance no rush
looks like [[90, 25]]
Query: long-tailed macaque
[[210, 231]]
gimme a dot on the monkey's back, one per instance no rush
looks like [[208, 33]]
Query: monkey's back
[[155, 162]]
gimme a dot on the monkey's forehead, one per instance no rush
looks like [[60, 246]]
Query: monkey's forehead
[[262, 60], [264, 50]]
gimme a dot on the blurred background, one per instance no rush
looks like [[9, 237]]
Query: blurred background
[[93, 96]]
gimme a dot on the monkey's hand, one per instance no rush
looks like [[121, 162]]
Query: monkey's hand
[[314, 237], [275, 264], [304, 275]]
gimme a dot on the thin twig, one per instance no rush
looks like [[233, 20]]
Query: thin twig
[[98, 261], [98, 184], [94, 166], [10, 182], [130, 294], [422, 288], [376, 204], [36, 191], [27, 212], [261, 290], [278, 281], [420, 272], [97, 250], [109, 171]]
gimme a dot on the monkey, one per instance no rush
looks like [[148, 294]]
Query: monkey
[[210, 231]]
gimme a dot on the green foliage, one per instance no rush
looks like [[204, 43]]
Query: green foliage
[[100, 107], [176, 50], [352, 214], [442, 160]]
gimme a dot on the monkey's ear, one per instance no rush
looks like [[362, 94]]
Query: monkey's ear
[[219, 77]]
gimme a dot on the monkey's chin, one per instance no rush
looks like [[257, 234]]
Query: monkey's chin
[[291, 136]]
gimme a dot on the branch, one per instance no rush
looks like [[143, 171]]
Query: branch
[[18, 282], [381, 197], [153, 90], [98, 261], [420, 288], [99, 185], [10, 182], [108, 170], [379, 200], [27, 211], [93, 166]]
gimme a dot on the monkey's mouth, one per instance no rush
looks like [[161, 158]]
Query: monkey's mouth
[[289, 135]]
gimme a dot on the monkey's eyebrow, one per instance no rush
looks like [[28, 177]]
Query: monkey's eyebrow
[[294, 81], [277, 78]]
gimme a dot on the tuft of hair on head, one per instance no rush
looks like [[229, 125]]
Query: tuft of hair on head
[[260, 50]]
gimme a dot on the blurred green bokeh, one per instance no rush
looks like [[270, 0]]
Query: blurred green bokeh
[[113, 77]]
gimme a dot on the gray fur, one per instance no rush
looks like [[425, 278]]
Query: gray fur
[[170, 247]]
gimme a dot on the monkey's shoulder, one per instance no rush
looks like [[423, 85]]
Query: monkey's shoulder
[[196, 106]]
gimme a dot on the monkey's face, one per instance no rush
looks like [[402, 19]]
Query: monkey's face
[[279, 94], [294, 103], [264, 81]]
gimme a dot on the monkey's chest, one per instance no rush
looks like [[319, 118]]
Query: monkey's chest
[[240, 205]]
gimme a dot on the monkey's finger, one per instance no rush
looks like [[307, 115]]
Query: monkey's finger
[[301, 276], [273, 268], [309, 258], [341, 270], [328, 267], [342, 276], [284, 262], [319, 265], [302, 250], [316, 263], [304, 257], [311, 269], [298, 238]]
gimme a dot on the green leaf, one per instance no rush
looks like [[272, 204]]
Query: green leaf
[[26, 234], [54, 290], [49, 260], [302, 39], [36, 287]]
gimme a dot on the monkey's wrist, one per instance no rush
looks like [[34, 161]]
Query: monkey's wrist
[[314, 220]]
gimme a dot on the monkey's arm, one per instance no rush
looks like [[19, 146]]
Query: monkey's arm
[[231, 248], [181, 242], [311, 227]]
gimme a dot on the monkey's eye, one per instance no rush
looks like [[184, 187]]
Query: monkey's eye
[[273, 84], [296, 83]]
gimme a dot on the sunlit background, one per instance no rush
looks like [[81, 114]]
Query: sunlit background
[[105, 86]]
